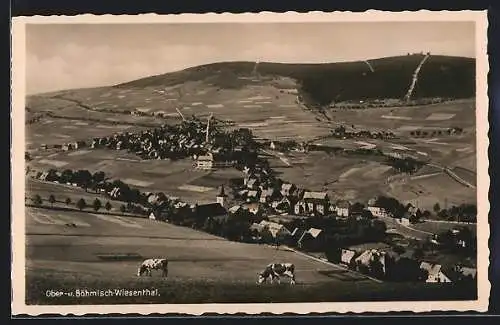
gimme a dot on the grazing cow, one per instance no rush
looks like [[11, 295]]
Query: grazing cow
[[160, 264], [275, 270]]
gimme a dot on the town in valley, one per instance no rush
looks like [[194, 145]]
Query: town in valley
[[358, 178]]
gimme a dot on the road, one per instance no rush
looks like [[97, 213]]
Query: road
[[404, 230], [450, 173], [284, 160]]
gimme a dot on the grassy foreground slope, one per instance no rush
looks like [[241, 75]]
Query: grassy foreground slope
[[180, 292]]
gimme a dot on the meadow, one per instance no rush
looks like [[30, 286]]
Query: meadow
[[103, 252], [198, 291], [174, 178]]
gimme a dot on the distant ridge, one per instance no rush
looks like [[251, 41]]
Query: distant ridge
[[324, 83]]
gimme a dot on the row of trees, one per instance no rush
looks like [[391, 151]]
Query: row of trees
[[81, 204], [404, 165], [423, 133], [463, 213]]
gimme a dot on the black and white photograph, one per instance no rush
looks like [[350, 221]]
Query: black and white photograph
[[250, 163]]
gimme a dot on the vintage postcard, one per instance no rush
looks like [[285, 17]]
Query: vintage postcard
[[250, 163]]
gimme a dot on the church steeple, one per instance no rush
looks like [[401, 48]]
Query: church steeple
[[222, 195]]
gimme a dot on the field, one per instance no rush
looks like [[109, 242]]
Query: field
[[340, 176], [104, 252], [438, 227], [62, 192], [176, 178], [460, 113], [427, 191]]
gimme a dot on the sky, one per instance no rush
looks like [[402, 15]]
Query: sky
[[68, 56]]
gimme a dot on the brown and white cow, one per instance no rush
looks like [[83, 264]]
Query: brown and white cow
[[159, 264], [275, 270]]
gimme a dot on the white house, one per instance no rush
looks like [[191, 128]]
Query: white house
[[342, 208], [212, 161], [370, 255], [435, 273], [377, 211], [153, 216], [346, 256], [405, 221]]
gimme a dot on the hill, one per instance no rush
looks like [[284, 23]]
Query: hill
[[440, 76]]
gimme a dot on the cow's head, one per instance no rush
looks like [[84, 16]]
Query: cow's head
[[141, 270]]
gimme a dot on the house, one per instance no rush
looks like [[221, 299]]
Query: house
[[268, 195], [254, 208], [153, 198], [242, 193], [405, 221], [316, 202], [366, 259], [375, 209], [435, 273], [347, 256], [157, 215], [288, 189], [252, 183], [78, 144], [253, 196], [212, 161], [276, 230], [256, 227], [43, 176], [300, 208], [464, 273], [297, 234], [115, 192], [283, 206], [235, 209], [311, 239], [342, 208]]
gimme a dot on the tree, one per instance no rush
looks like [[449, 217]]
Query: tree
[[378, 229], [418, 253], [97, 204], [376, 268], [66, 176], [83, 178], [108, 206], [405, 269], [357, 207], [98, 177], [81, 204], [68, 201], [367, 214], [399, 249], [52, 200], [437, 208], [37, 200]]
